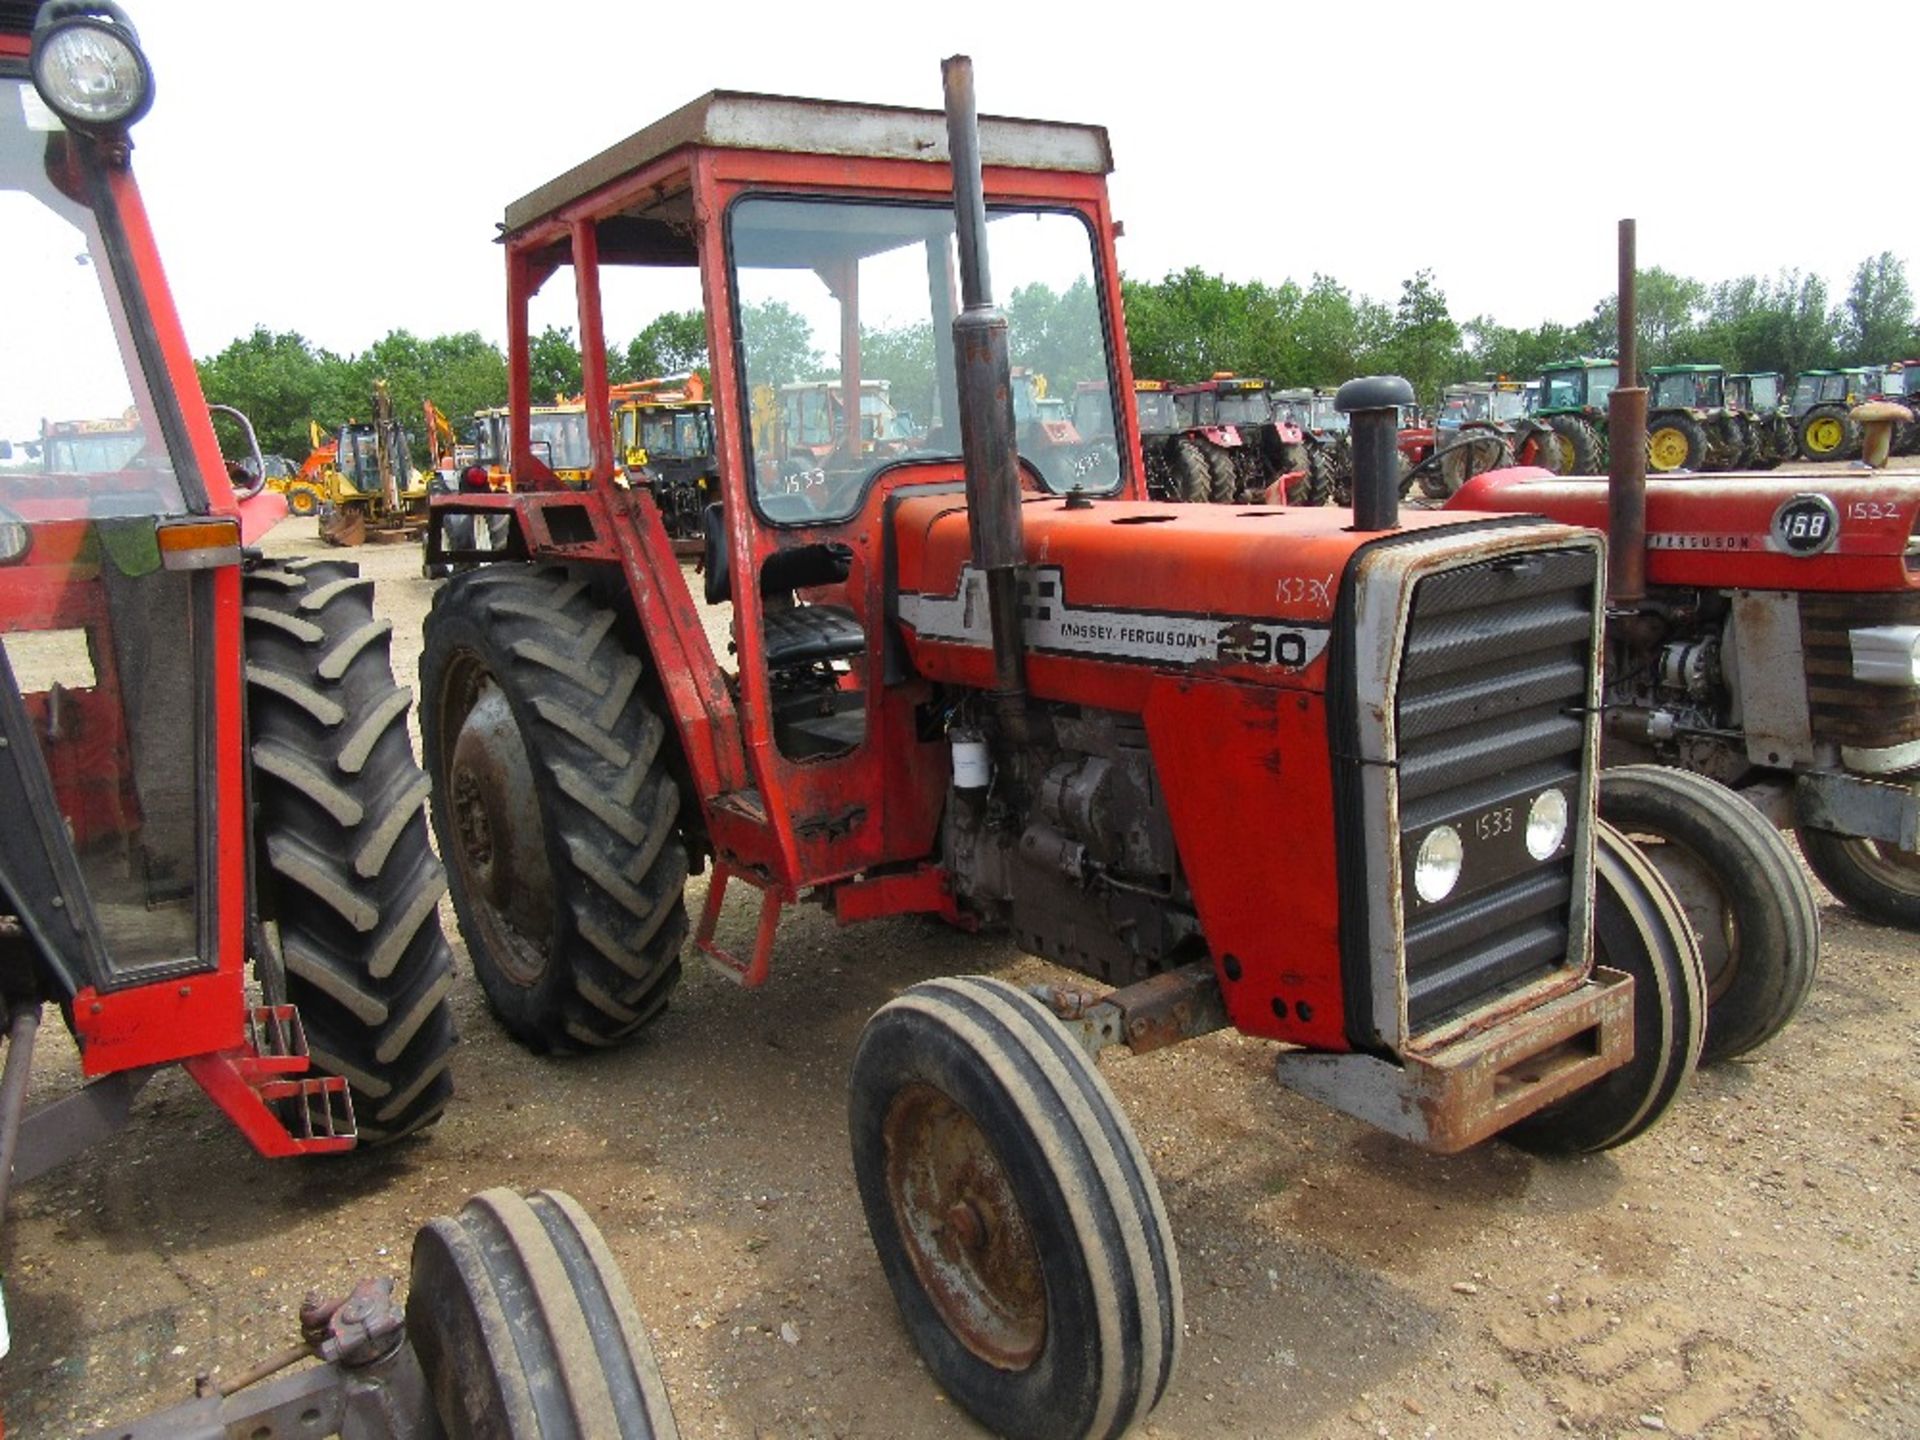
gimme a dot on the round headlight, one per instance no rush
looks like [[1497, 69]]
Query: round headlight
[[91, 73], [1546, 824], [1436, 868], [15, 539]]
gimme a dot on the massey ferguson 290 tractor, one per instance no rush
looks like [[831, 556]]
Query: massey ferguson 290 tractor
[[1325, 776], [205, 774]]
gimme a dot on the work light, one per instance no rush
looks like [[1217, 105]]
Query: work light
[[88, 67]]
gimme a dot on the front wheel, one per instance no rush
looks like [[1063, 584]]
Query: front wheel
[[525, 1329], [553, 806], [1639, 929], [1879, 880], [1752, 909], [1016, 1218]]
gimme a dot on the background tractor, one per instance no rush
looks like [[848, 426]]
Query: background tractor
[[365, 475], [1175, 466], [1573, 402], [214, 854], [1820, 408], [664, 430], [1497, 411], [1324, 776], [1690, 423], [1323, 430], [1759, 398]]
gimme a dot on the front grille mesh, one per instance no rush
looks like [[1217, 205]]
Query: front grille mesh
[[1491, 710], [1846, 711]]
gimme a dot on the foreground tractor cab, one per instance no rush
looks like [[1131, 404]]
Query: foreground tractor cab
[[1323, 776], [1573, 402], [206, 781]]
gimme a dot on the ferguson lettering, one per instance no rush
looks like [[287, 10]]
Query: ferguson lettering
[[1053, 625]]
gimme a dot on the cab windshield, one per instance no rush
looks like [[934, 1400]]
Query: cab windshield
[[1508, 404], [1687, 390], [847, 306], [684, 434], [1155, 409], [75, 411], [560, 439], [1245, 407]]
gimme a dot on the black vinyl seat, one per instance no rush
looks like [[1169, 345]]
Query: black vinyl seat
[[794, 634]]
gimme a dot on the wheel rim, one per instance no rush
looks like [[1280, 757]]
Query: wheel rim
[[1666, 449], [1823, 435], [302, 503], [497, 843], [1708, 910], [963, 1229], [1887, 865]]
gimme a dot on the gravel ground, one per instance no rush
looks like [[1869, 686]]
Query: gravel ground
[[1747, 1270]]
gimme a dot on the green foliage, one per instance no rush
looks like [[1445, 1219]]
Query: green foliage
[[671, 344], [553, 366], [1876, 322], [779, 343]]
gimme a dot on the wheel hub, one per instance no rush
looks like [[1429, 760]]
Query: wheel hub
[[500, 850], [963, 1229]]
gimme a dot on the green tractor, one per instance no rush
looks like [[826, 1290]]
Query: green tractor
[[1573, 404], [1760, 396], [1821, 406], [1690, 425]]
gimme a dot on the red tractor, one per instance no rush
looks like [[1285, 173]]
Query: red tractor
[[207, 781], [1327, 777]]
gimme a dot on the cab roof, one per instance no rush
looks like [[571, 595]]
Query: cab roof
[[739, 120]]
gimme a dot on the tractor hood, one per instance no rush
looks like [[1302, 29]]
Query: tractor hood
[[1127, 590], [1806, 532]]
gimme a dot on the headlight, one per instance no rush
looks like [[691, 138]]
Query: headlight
[[1436, 868], [89, 70], [1887, 655], [1546, 824], [15, 539]]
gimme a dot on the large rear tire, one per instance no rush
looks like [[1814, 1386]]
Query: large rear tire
[[1675, 441], [345, 868], [1223, 477], [1581, 452], [525, 1329], [1016, 1218], [1638, 928], [1752, 909], [1881, 881], [558, 818], [1192, 479], [1827, 432], [1475, 452]]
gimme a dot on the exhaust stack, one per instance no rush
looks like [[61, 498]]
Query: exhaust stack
[[1627, 442], [987, 433], [1373, 402]]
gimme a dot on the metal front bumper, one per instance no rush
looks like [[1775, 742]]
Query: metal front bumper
[[1475, 1087]]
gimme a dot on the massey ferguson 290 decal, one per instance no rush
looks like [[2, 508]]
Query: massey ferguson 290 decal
[[1152, 637]]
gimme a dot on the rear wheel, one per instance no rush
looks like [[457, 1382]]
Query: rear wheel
[[1475, 452], [1538, 445], [344, 863], [1828, 433], [303, 500], [558, 818], [525, 1329], [1223, 479], [1877, 879], [1580, 450], [1638, 928], [1192, 479], [1752, 909], [1675, 442], [1016, 1218]]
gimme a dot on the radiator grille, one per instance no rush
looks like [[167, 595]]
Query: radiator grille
[[1491, 711]]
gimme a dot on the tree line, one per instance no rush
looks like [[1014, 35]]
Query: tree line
[[1184, 326]]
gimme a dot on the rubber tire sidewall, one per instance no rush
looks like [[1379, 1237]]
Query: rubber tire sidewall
[[1832, 857]]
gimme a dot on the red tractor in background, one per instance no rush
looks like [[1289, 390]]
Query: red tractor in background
[[1325, 776], [214, 853]]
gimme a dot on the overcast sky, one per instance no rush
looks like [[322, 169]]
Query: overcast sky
[[339, 169]]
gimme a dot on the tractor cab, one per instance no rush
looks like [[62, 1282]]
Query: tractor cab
[[1577, 387], [1757, 393], [663, 430], [1686, 387], [138, 843]]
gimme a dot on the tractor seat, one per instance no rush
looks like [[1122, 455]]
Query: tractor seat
[[804, 634], [795, 634]]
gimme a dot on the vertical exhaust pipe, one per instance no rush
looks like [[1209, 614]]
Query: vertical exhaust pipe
[[1373, 402], [987, 433], [1627, 442]]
